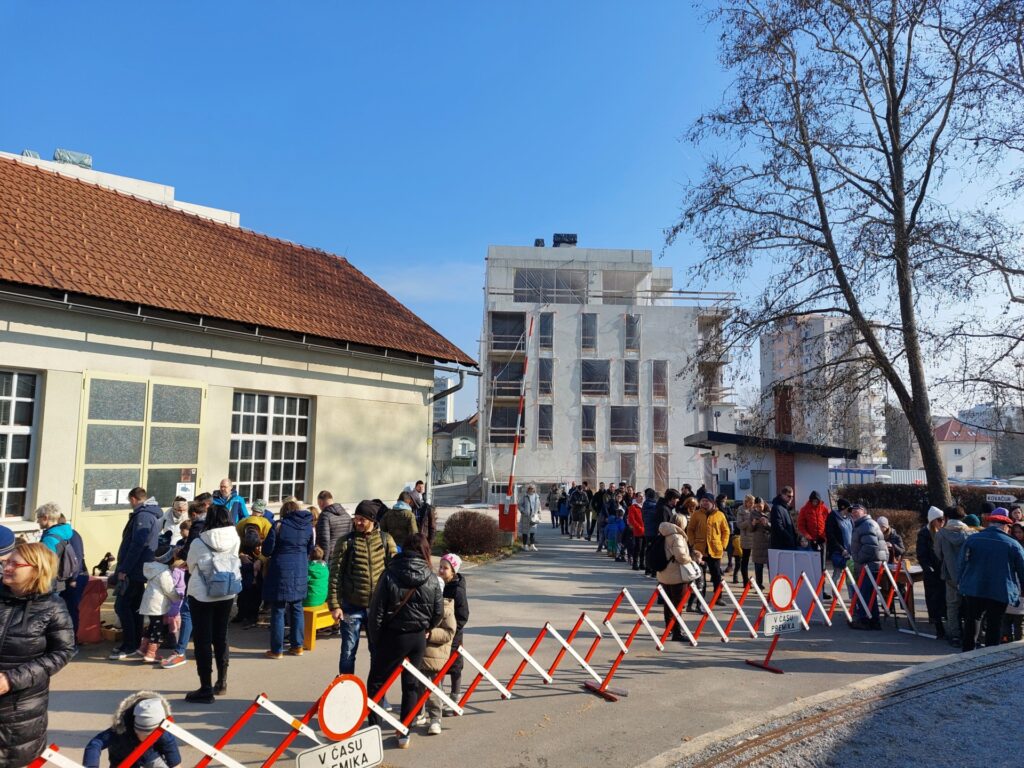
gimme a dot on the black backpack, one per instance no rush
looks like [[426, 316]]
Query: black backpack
[[656, 558], [69, 565]]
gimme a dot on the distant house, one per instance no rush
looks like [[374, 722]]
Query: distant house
[[966, 451], [453, 450], [149, 342]]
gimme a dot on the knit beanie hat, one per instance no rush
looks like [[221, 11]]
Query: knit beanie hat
[[259, 506], [972, 521], [934, 513], [6, 541], [367, 509], [453, 560], [149, 713]]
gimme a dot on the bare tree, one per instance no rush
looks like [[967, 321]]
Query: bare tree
[[849, 127]]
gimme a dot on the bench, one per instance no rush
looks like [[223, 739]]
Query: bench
[[314, 618]]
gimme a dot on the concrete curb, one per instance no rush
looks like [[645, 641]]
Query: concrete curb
[[712, 738]]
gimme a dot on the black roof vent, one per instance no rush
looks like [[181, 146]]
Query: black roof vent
[[562, 240], [538, 242]]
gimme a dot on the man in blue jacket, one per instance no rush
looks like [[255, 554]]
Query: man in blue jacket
[[991, 571], [227, 496], [139, 541]]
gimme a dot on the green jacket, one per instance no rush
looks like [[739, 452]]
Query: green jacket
[[353, 578], [316, 591]]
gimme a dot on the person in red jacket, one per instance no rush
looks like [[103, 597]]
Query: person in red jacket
[[635, 521], [810, 522]]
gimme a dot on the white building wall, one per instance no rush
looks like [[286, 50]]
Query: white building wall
[[974, 459]]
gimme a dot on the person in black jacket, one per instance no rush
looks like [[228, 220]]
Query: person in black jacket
[[333, 525], [783, 532], [407, 603], [455, 589], [928, 559], [139, 541], [36, 641]]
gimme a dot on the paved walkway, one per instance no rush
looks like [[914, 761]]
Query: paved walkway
[[674, 696]]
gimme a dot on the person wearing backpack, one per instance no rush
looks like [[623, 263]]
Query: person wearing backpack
[[64, 541], [214, 579], [357, 563], [289, 545]]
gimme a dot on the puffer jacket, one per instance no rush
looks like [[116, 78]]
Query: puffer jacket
[[399, 522], [810, 521], [455, 590], [783, 535], [422, 611], [119, 740], [635, 519], [289, 546], [354, 575], [948, 541], [160, 590], [991, 566], [697, 530], [36, 641], [216, 541], [439, 641], [717, 534], [678, 553], [867, 543], [139, 539], [552, 501], [333, 525]]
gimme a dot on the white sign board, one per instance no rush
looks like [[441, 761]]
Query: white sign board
[[186, 490], [105, 496], [122, 496], [782, 622], [363, 750], [1000, 498]]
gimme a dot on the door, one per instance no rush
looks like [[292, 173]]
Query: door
[[760, 482]]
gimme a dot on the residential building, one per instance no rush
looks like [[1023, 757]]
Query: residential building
[[602, 348], [831, 402], [1005, 425], [454, 450], [145, 342], [966, 450], [444, 408]]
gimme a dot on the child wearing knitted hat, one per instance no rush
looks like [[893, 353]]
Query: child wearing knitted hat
[[135, 719], [455, 589]]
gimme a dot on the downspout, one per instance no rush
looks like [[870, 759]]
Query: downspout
[[438, 395]]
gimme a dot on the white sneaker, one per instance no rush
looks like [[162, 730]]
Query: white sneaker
[[403, 741], [533, 547], [435, 728], [420, 721]]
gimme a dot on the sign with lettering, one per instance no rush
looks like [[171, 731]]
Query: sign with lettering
[[363, 750], [1000, 498], [781, 623]]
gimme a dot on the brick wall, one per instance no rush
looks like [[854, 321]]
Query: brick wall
[[785, 470]]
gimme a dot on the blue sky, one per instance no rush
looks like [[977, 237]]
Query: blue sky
[[405, 137]]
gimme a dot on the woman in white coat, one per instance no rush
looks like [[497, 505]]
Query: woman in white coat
[[529, 517]]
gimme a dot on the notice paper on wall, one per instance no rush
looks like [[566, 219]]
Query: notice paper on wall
[[122, 495], [104, 496], [186, 490]]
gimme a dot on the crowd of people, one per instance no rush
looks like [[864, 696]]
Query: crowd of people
[[185, 574], [188, 572], [682, 537]]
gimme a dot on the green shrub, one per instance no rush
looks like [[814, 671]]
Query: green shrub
[[915, 497], [471, 533]]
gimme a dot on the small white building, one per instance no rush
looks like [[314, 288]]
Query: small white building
[[966, 451], [148, 342], [603, 344]]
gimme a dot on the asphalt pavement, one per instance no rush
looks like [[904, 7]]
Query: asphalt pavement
[[674, 696]]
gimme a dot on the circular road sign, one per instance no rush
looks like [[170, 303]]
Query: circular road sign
[[781, 593], [342, 707]]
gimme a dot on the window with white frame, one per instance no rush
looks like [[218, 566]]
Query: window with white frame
[[17, 430], [269, 446]]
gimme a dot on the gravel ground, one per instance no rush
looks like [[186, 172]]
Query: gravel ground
[[937, 719]]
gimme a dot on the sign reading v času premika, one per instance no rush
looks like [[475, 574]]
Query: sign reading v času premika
[[781, 623], [363, 750]]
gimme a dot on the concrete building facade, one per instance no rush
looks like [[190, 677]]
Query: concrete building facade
[[966, 450], [609, 391], [444, 408]]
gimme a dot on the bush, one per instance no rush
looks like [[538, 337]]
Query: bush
[[471, 533], [915, 497]]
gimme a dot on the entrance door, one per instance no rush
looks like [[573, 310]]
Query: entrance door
[[760, 482]]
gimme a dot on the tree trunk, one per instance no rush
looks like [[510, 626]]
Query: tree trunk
[[934, 468]]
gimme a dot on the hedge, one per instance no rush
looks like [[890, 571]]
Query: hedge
[[915, 497], [471, 533]]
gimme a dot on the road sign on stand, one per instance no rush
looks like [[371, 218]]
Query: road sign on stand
[[363, 750], [780, 621]]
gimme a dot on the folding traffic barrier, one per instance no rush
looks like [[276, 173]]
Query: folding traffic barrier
[[583, 619], [51, 756], [738, 611], [676, 615]]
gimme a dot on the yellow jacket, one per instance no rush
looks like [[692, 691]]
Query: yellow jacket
[[717, 534]]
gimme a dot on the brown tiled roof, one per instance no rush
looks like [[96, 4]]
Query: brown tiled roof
[[953, 431], [64, 234]]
